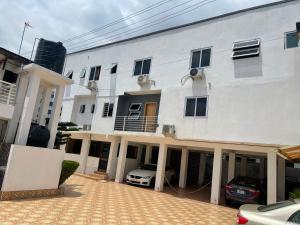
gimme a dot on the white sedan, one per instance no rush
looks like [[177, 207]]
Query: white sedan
[[145, 176]]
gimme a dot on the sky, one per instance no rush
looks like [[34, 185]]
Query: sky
[[60, 20]]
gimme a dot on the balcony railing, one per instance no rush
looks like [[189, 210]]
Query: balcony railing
[[7, 93], [136, 124]]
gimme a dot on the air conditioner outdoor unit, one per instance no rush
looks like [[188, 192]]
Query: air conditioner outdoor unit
[[168, 130], [92, 85], [143, 79], [86, 127], [196, 73]]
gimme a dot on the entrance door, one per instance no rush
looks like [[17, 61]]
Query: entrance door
[[150, 117], [104, 154]]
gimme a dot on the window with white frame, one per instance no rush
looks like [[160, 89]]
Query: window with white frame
[[201, 58], [114, 68], [108, 109], [95, 73], [69, 74], [291, 40], [142, 67], [82, 109], [196, 107]]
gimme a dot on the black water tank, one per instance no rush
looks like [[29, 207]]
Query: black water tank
[[38, 136], [51, 55]]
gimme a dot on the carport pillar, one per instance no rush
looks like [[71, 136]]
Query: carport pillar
[[231, 166], [262, 168], [148, 154], [243, 166], [84, 153], [216, 176], [183, 167], [272, 178], [121, 161], [202, 168], [161, 166], [281, 179], [112, 160]]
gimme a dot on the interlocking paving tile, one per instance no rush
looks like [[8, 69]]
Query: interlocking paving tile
[[88, 202]]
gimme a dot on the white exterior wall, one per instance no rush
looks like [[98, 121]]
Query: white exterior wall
[[250, 98], [28, 168]]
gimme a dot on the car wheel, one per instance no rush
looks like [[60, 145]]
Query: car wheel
[[152, 182]]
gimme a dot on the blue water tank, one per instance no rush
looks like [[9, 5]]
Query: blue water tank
[[51, 55]]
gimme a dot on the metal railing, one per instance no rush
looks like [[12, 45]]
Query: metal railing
[[7, 93], [136, 123]]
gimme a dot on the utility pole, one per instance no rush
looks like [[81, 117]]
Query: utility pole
[[26, 24]]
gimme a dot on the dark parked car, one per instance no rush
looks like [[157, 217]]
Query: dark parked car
[[243, 190]]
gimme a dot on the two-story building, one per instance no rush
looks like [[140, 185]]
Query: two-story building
[[213, 99]]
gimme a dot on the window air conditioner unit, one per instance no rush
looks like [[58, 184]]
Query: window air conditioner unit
[[92, 86], [143, 79], [168, 130], [86, 127], [196, 73]]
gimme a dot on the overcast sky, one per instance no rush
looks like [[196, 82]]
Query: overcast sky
[[60, 20]]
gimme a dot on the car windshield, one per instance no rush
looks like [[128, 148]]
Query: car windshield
[[274, 206], [149, 167], [246, 181]]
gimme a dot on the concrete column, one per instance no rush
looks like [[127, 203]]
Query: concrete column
[[148, 154], [121, 161], [28, 108], [59, 94], [281, 179], [202, 168], [84, 153], [272, 177], [231, 166], [216, 177], [112, 160], [161, 166], [183, 167], [139, 153], [243, 166], [45, 106], [262, 168], [13, 123]]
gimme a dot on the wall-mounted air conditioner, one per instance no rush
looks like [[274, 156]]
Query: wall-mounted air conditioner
[[92, 86], [168, 130], [196, 73], [143, 79], [86, 127]]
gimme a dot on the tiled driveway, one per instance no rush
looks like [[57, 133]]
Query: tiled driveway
[[89, 202]]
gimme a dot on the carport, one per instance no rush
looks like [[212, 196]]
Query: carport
[[222, 153]]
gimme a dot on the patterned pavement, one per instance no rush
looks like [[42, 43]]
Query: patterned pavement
[[90, 202]]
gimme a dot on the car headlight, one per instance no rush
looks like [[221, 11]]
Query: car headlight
[[147, 177]]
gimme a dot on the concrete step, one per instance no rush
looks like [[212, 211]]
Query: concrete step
[[93, 176]]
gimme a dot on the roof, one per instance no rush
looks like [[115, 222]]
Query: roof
[[188, 24], [14, 56], [291, 152]]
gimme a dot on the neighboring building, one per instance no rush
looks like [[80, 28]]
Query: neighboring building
[[231, 119]]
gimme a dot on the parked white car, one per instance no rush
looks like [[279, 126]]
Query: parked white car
[[145, 175]]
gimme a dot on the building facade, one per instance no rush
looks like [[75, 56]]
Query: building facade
[[224, 90]]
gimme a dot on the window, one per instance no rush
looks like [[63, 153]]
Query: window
[[201, 58], [291, 40], [246, 49], [196, 106], [74, 146], [274, 206], [82, 109], [82, 73], [95, 73], [134, 115], [69, 74], [295, 218], [95, 149], [10, 77], [135, 107], [131, 152], [51, 104], [114, 68], [142, 67], [93, 108], [108, 110]]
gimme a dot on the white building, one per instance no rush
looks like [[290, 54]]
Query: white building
[[244, 106]]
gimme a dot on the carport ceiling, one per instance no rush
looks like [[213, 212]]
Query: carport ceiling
[[291, 152]]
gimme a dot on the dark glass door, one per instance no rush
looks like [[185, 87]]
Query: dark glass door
[[104, 154]]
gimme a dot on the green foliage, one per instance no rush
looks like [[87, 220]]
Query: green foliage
[[67, 124], [68, 168], [295, 193], [62, 138]]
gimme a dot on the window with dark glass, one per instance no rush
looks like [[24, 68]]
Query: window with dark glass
[[95, 73], [114, 68], [142, 67], [82, 109], [69, 74], [196, 106], [131, 152], [201, 58], [291, 40], [74, 146], [108, 109], [93, 108]]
